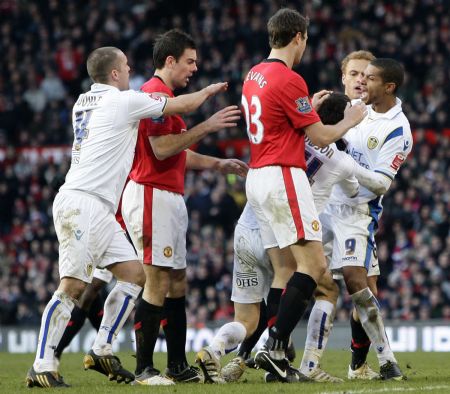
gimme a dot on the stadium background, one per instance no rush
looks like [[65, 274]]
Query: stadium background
[[44, 45]]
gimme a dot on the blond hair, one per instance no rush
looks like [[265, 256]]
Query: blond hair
[[356, 55]]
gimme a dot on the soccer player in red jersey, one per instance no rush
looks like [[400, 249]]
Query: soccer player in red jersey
[[278, 114], [155, 212]]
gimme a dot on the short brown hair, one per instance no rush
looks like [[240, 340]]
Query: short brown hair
[[101, 62], [284, 25], [172, 43], [391, 71], [356, 55]]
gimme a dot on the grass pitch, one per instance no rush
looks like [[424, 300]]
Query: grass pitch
[[427, 373]]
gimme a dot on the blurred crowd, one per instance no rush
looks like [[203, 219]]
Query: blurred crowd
[[44, 45]]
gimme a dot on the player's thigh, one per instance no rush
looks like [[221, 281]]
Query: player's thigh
[[248, 315], [283, 196], [252, 272], [78, 219], [284, 265]]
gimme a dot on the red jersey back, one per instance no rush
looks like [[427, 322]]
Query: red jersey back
[[167, 174], [276, 105]]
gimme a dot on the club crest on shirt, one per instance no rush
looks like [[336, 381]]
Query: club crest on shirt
[[315, 225], [167, 251], [372, 142], [303, 105]]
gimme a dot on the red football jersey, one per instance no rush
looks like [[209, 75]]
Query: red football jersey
[[167, 174], [276, 105]]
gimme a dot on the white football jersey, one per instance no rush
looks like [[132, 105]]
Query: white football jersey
[[381, 143], [105, 123], [326, 167]]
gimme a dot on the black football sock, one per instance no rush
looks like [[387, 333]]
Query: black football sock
[[175, 325], [360, 343], [76, 321], [249, 343], [273, 303], [146, 326], [95, 313], [293, 303]]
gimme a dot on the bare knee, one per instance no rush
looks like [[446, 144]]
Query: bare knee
[[248, 316], [73, 287], [327, 289], [355, 279], [157, 284], [129, 271]]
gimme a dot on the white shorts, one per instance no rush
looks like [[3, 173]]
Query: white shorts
[[103, 274], [157, 223], [283, 203], [88, 234], [252, 271], [354, 239]]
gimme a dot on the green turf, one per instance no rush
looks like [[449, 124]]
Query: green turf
[[427, 372]]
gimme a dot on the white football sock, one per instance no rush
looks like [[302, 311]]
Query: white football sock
[[369, 313], [53, 324], [118, 306], [228, 338], [320, 324]]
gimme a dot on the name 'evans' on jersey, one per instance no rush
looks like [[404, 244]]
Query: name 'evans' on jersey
[[257, 77]]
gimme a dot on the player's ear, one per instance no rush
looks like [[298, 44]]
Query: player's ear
[[390, 87], [170, 61]]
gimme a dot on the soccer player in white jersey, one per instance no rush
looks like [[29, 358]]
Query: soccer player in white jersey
[[252, 271], [105, 121], [380, 144]]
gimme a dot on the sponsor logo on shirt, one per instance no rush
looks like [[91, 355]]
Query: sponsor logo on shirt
[[159, 119], [303, 105], [398, 161], [168, 251], [372, 142]]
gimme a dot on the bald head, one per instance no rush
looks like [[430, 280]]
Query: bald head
[[101, 62]]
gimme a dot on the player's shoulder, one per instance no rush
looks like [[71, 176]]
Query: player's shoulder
[[156, 85]]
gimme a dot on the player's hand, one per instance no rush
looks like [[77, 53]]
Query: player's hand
[[319, 97], [232, 166], [356, 113], [226, 117], [215, 88]]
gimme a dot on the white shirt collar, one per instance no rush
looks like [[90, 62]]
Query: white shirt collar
[[391, 114]]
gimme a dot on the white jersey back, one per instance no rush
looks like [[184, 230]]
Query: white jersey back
[[105, 123], [326, 167], [381, 143]]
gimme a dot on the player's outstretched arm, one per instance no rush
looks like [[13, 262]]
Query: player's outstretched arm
[[168, 145], [190, 102], [196, 161], [376, 182], [323, 135]]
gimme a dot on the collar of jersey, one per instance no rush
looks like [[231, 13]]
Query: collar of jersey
[[391, 114], [99, 87]]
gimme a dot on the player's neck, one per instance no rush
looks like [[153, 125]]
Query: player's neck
[[385, 105], [285, 54], [163, 74]]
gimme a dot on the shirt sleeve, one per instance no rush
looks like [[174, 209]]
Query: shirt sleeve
[[296, 103], [145, 105], [396, 147]]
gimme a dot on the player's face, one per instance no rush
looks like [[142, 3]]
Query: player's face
[[374, 86], [184, 68], [123, 72], [351, 78], [300, 48]]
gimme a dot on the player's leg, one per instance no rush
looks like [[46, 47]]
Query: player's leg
[[360, 344], [90, 304], [369, 313], [319, 328], [283, 204], [75, 271], [174, 324]]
